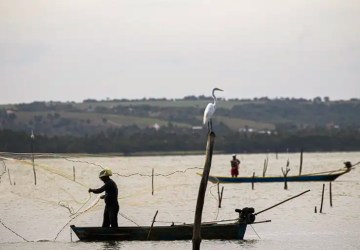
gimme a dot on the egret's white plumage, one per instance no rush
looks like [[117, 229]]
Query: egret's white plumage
[[210, 110]]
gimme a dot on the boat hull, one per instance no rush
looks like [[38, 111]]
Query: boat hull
[[161, 233], [298, 178]]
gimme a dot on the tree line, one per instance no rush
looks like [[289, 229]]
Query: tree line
[[127, 126], [130, 141]]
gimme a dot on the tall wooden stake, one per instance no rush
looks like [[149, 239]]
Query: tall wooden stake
[[301, 161], [32, 138], [285, 173], [322, 198], [252, 183], [74, 172], [9, 177], [201, 195], [330, 191], [152, 182], [266, 162], [220, 195], [152, 224]]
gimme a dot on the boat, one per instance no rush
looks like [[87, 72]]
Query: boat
[[210, 231], [321, 176]]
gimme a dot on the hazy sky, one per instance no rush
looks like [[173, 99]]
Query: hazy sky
[[71, 50]]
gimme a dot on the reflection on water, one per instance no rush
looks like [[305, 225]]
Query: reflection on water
[[34, 211], [111, 245]]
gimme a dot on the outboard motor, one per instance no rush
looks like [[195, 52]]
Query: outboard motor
[[348, 164], [246, 214]]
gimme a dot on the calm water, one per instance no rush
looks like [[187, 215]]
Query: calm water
[[38, 213]]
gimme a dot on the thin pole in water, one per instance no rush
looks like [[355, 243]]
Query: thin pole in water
[[152, 224], [9, 177], [322, 198], [252, 182], [301, 161], [330, 191], [220, 195], [32, 138], [152, 182]]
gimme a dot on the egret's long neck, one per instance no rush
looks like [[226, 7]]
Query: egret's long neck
[[213, 95]]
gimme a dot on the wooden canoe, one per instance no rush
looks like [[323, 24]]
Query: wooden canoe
[[210, 231], [157, 233], [322, 176]]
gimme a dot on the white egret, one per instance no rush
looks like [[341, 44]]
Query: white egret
[[210, 110]]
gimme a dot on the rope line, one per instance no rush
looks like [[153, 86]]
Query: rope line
[[13, 231], [78, 214], [164, 175], [217, 199], [67, 206], [78, 161], [255, 231], [127, 217], [74, 214]]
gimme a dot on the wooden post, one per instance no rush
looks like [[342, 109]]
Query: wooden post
[[33, 163], [266, 161], [74, 172], [196, 240], [252, 183], [218, 189], [285, 172], [330, 191], [32, 138], [301, 161], [152, 224], [322, 198], [152, 182], [220, 195], [9, 177], [315, 210]]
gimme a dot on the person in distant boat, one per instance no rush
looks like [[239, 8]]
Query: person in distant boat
[[111, 198], [235, 163]]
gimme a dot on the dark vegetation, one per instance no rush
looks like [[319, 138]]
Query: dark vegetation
[[160, 125]]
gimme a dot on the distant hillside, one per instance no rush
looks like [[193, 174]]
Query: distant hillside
[[261, 115]]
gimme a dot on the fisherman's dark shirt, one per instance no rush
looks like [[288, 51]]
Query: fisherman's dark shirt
[[111, 192]]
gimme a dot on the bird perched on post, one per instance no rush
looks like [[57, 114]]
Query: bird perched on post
[[210, 110]]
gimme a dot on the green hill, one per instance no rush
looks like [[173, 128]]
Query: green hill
[[159, 121]]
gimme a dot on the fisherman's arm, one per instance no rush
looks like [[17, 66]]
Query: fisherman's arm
[[98, 190]]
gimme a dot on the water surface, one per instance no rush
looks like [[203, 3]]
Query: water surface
[[38, 213]]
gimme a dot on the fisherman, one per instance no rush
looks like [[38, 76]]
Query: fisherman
[[111, 198], [235, 163]]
